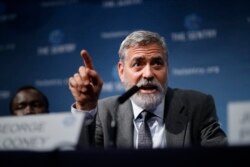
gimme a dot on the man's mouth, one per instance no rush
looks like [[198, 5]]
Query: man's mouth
[[148, 88]]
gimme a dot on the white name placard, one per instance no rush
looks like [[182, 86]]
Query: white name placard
[[239, 123], [42, 132]]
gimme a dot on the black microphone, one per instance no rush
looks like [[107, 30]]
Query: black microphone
[[128, 94], [121, 99]]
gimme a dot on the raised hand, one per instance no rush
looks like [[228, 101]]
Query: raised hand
[[86, 85]]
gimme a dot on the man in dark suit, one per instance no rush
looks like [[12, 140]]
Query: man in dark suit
[[179, 118]]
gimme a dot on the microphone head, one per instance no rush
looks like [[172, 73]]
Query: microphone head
[[125, 96]]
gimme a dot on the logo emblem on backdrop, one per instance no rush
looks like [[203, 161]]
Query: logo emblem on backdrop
[[194, 30], [192, 22], [115, 73], [58, 45], [113, 85], [56, 37]]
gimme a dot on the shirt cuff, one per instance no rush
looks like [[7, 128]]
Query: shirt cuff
[[89, 114]]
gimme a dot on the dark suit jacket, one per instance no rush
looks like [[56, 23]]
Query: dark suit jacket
[[190, 120]]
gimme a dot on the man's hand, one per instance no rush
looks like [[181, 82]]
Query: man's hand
[[85, 85]]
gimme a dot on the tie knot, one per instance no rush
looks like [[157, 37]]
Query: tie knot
[[145, 115]]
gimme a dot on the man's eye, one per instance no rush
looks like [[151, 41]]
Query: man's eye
[[137, 64], [21, 106], [158, 62], [36, 104]]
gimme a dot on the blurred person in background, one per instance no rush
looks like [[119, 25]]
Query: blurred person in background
[[28, 100]]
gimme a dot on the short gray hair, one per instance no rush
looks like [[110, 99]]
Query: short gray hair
[[141, 38]]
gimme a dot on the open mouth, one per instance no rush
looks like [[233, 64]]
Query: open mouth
[[148, 88]]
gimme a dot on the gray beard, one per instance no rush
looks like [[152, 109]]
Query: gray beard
[[148, 101]]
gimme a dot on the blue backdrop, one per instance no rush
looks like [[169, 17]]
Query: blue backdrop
[[208, 42]]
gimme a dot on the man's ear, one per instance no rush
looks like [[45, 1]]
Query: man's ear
[[120, 68]]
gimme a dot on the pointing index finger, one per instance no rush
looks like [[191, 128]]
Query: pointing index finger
[[87, 59]]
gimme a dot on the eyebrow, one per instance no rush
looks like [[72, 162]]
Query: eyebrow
[[143, 57], [137, 58]]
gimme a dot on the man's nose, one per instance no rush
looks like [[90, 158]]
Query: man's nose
[[27, 110], [148, 73]]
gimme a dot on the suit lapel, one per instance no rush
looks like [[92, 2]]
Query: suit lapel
[[125, 125], [176, 119]]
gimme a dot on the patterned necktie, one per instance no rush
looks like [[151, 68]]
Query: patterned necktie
[[144, 135]]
